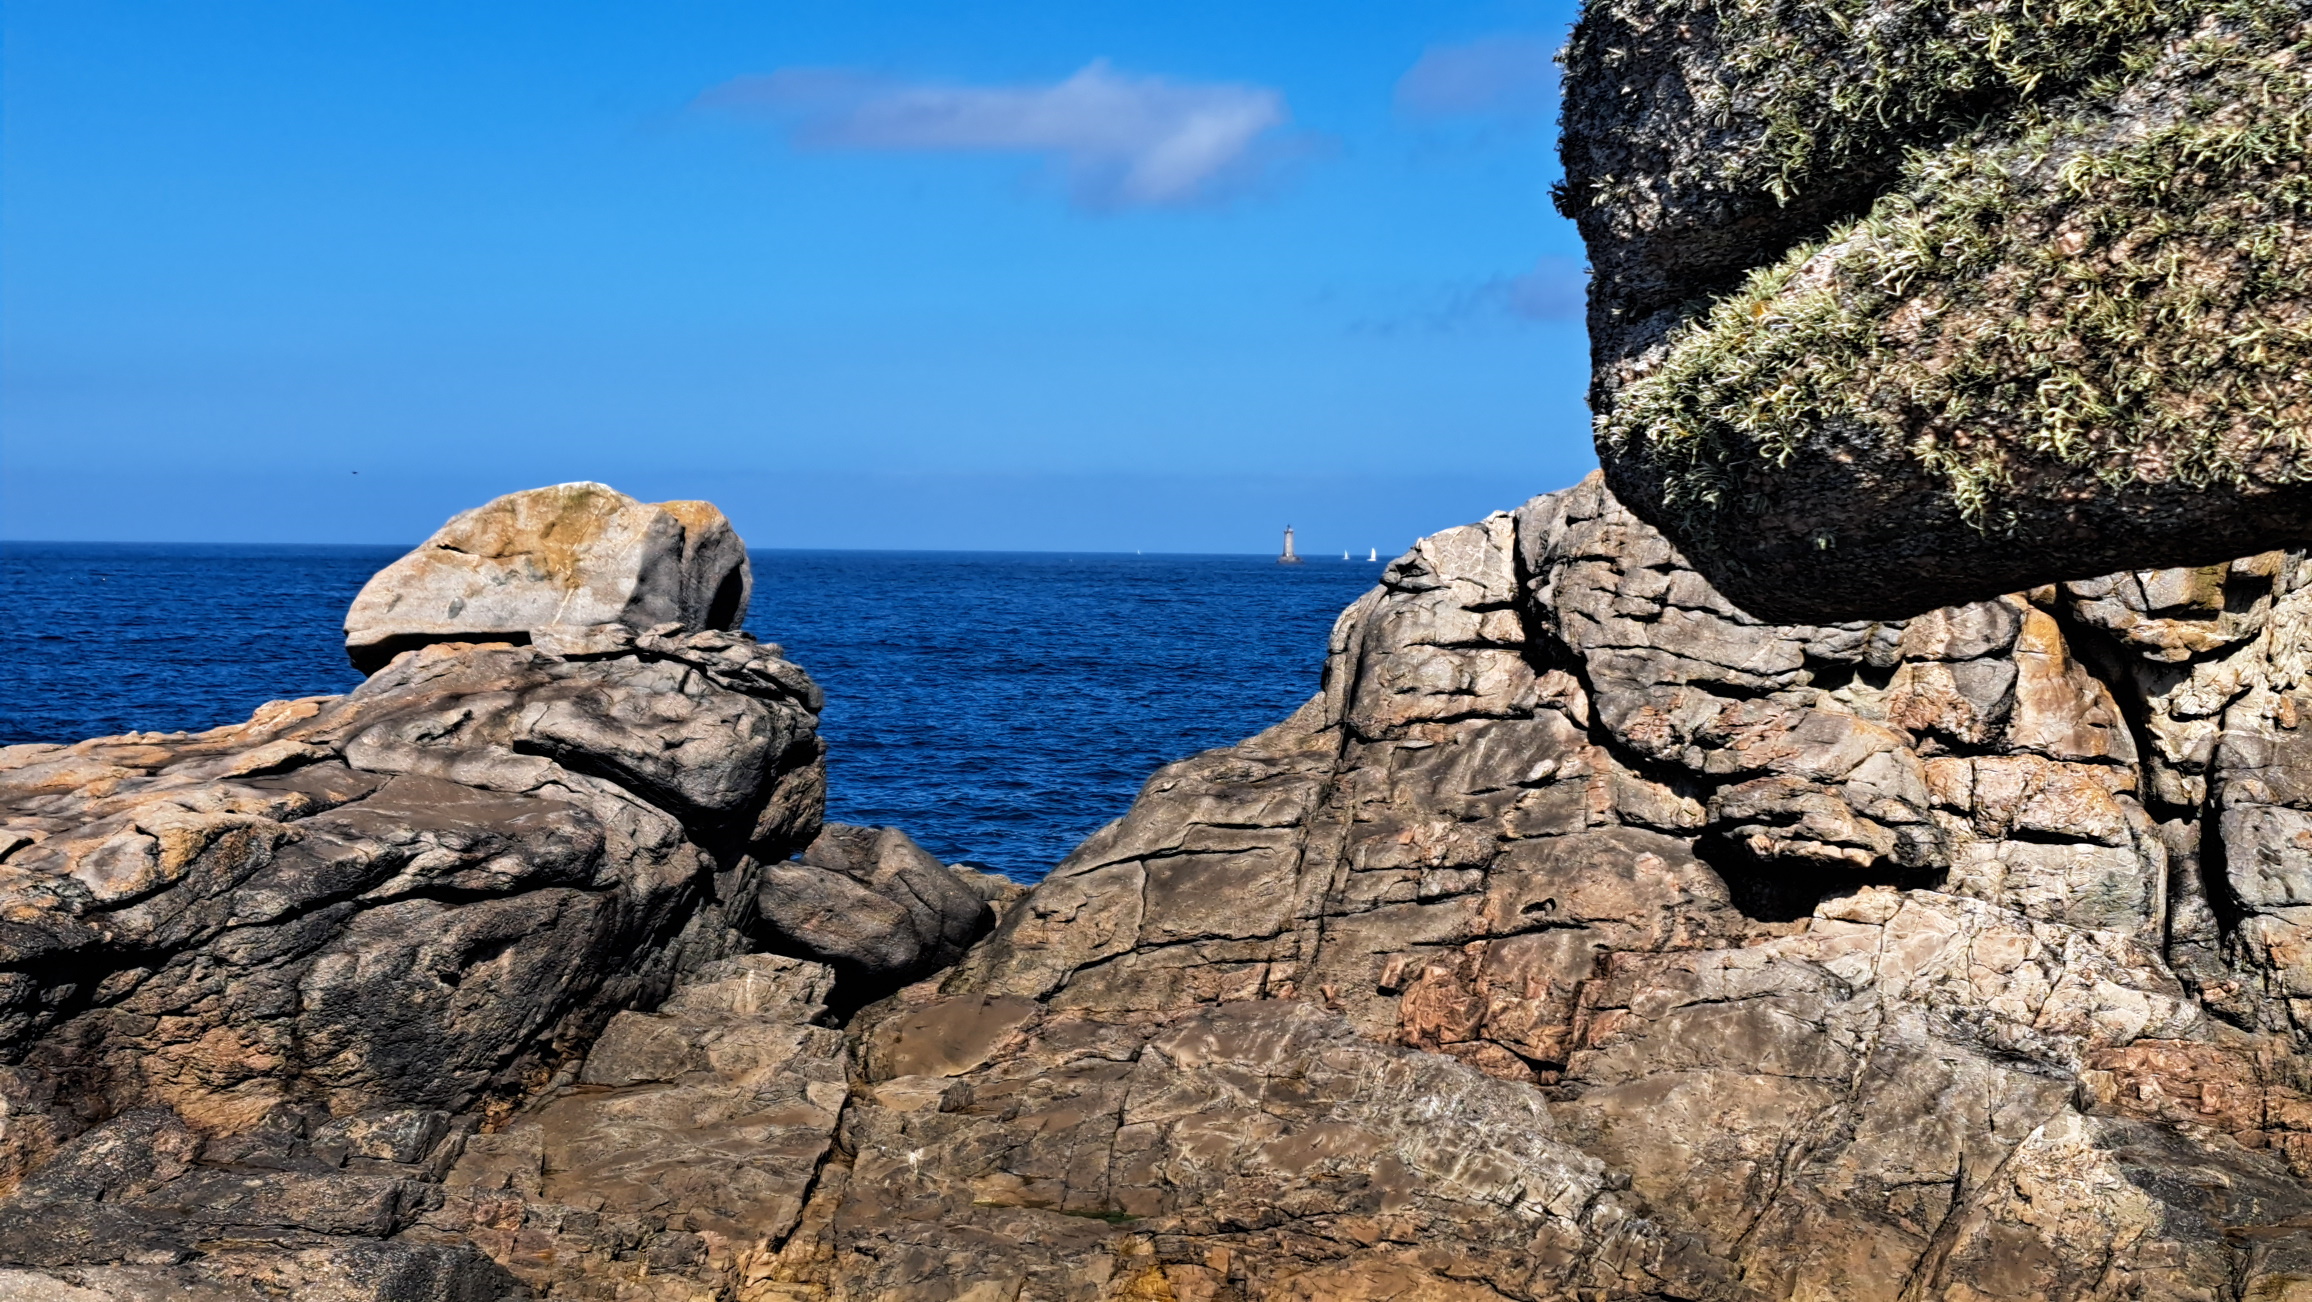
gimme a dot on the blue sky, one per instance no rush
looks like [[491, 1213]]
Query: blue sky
[[1060, 275]]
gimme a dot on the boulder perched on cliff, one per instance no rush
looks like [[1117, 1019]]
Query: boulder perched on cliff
[[1901, 304], [259, 983], [572, 554]]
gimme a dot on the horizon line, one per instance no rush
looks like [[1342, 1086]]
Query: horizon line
[[849, 551]]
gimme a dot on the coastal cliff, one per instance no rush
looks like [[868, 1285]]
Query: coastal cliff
[[1583, 936]]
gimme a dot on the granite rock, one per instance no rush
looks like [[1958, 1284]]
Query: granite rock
[[875, 904], [568, 555], [259, 985], [1866, 960], [686, 1149], [1583, 937], [414, 895]]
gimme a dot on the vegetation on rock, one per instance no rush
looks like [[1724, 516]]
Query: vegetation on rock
[[2112, 280]]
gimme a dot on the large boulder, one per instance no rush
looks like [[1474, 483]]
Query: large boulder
[[874, 904], [570, 554], [1902, 304], [259, 984]]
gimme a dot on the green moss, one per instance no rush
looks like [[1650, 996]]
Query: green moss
[[1846, 80], [1811, 91], [2141, 308]]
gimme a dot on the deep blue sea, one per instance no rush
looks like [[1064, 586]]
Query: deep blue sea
[[998, 706]]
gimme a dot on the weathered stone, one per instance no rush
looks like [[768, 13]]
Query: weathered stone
[[873, 902], [352, 1270], [444, 879], [296, 961], [1583, 937], [571, 555], [1848, 947], [1251, 1140], [698, 1130]]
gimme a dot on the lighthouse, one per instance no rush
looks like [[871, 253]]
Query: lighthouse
[[1289, 558]]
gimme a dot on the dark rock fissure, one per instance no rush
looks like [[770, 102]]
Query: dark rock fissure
[[1781, 891], [729, 604]]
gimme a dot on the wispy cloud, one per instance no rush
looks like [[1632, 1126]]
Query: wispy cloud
[[1120, 141], [1554, 289], [1505, 75]]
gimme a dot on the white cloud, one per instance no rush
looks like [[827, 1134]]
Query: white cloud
[[1506, 75], [1120, 140]]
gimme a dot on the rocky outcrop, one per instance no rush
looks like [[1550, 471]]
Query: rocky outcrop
[[1899, 305], [1587, 937], [260, 983], [454, 802], [1583, 937], [569, 555], [429, 894]]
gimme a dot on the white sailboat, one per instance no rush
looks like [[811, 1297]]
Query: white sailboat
[[1373, 554]]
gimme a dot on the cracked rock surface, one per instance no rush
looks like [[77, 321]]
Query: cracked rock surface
[[1943, 959], [258, 984], [1583, 937]]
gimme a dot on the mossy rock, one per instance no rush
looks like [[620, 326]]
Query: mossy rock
[[2063, 328]]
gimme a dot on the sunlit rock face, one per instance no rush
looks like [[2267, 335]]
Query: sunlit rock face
[[570, 555], [1855, 957], [329, 942], [1899, 305], [407, 896], [1584, 936]]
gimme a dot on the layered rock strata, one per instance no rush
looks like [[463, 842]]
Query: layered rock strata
[[1583, 937], [1901, 304]]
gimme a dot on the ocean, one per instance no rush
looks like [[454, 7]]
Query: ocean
[[1000, 707]]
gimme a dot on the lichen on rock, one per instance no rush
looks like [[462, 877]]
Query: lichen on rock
[[1914, 340]]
